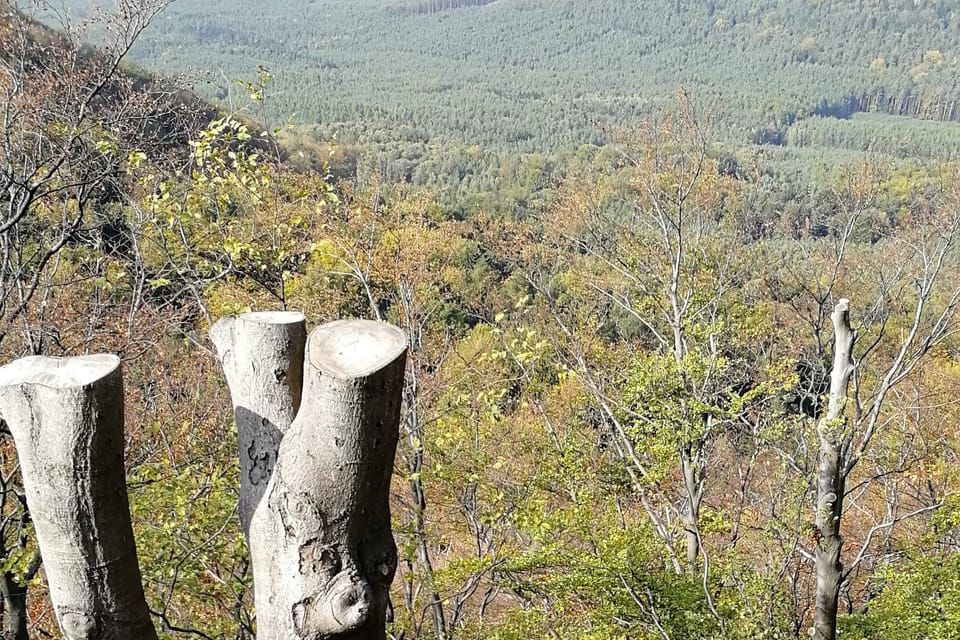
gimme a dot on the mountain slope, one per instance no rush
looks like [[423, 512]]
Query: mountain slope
[[536, 74]]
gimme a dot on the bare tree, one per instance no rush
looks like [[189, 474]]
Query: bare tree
[[69, 120], [919, 273], [657, 262]]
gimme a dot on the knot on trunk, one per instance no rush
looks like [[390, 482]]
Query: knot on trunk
[[79, 625], [344, 606]]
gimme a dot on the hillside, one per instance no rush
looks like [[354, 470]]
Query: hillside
[[624, 417], [544, 74]]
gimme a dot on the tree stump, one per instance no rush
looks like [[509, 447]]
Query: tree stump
[[262, 358], [66, 417], [323, 553]]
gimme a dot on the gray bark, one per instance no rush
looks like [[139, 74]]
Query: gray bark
[[66, 417], [322, 550], [693, 490], [831, 433], [413, 469], [14, 608], [262, 358]]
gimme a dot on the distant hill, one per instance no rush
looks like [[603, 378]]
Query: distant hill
[[168, 115], [543, 74]]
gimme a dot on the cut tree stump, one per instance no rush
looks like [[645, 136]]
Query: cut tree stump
[[262, 358], [318, 511], [66, 417], [323, 553]]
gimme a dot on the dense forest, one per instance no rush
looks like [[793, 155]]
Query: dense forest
[[625, 242], [439, 94], [535, 75], [436, 6]]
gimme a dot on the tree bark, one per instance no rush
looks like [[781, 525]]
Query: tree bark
[[414, 468], [14, 607], [262, 358], [66, 417], [323, 553], [693, 491], [831, 433]]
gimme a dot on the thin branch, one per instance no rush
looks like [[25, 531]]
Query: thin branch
[[879, 527]]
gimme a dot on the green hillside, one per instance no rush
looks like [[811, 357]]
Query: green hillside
[[544, 74]]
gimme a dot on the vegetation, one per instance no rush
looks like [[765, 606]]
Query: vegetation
[[540, 75], [619, 307], [478, 103]]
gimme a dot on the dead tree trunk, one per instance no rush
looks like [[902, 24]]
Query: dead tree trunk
[[832, 433], [262, 358], [66, 417], [323, 554]]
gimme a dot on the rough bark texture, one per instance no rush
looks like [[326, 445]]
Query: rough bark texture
[[830, 481], [262, 357], [323, 554], [66, 416]]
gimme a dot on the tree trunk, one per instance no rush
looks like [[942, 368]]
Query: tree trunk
[[66, 416], [323, 554], [14, 608], [831, 432], [262, 358], [414, 469], [691, 511]]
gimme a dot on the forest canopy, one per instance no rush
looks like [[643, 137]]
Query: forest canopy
[[535, 75]]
